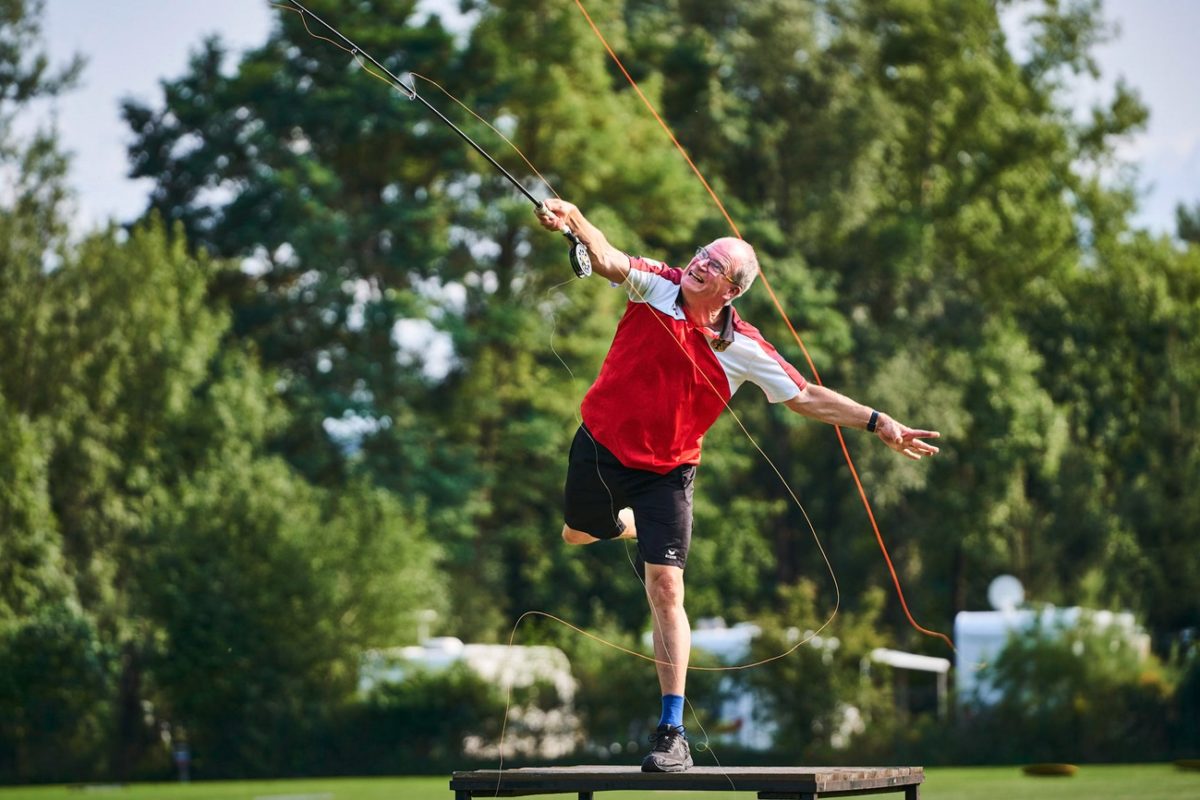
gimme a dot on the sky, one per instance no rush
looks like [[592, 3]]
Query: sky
[[131, 45]]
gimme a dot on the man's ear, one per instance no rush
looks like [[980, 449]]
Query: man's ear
[[734, 291]]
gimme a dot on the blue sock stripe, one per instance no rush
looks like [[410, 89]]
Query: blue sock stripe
[[672, 710]]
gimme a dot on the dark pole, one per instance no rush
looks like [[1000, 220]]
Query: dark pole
[[581, 261], [411, 93]]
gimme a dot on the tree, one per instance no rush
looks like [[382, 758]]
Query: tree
[[1124, 367], [816, 695], [923, 202], [311, 171], [426, 233], [1187, 223], [56, 677], [32, 229], [266, 591]]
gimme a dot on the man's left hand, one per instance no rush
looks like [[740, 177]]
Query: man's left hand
[[905, 440]]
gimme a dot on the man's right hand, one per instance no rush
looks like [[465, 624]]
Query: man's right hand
[[608, 262], [554, 213]]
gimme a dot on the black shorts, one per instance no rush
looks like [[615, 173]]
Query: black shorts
[[598, 486]]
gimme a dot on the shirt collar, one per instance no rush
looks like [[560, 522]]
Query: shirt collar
[[725, 337], [720, 340]]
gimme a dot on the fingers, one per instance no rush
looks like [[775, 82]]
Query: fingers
[[911, 440], [548, 214], [553, 207], [909, 451], [921, 447], [911, 447], [908, 441]]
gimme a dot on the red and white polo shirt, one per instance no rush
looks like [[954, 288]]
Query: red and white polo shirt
[[664, 382]]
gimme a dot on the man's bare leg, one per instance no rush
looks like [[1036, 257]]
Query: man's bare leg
[[672, 633], [672, 648], [572, 536]]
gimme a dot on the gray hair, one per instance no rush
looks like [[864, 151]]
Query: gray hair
[[746, 270]]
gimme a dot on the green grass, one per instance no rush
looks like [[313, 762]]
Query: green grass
[[1107, 782]]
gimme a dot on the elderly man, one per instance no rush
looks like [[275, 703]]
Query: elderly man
[[679, 354]]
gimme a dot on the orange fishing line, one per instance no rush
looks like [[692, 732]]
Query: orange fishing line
[[737, 419], [669, 662], [862, 493], [747, 433]]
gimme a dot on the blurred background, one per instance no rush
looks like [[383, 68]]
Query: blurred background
[[288, 377]]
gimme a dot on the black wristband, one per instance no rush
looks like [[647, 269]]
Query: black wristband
[[872, 422]]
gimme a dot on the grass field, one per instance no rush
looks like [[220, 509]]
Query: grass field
[[1106, 782]]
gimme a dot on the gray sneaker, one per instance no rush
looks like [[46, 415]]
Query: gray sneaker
[[670, 753]]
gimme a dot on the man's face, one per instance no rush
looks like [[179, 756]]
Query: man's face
[[709, 275]]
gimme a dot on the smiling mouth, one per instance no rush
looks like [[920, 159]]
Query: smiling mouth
[[695, 276]]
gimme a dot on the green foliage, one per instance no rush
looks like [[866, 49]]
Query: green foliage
[[1187, 223], [32, 570], [238, 594], [244, 650], [129, 344], [923, 202], [1121, 356], [1077, 694], [816, 694], [55, 677], [252, 585], [180, 531], [418, 724]]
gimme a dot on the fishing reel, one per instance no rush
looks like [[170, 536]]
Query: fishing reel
[[581, 262]]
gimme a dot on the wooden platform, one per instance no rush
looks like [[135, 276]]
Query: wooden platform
[[770, 783]]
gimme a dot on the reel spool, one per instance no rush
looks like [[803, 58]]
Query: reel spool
[[581, 262]]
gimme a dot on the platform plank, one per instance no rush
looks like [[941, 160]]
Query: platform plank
[[772, 783]]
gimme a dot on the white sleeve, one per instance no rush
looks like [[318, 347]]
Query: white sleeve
[[748, 360], [770, 376], [646, 283]]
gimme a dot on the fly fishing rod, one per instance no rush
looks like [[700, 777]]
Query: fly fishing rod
[[581, 262]]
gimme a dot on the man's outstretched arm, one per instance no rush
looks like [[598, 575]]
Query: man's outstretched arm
[[837, 409], [607, 260]]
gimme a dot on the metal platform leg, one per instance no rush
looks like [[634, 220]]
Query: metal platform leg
[[588, 796], [912, 792]]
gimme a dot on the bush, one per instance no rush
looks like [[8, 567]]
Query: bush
[[56, 689], [417, 726], [1082, 693], [824, 709]]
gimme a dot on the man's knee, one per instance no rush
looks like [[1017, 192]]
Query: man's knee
[[664, 585]]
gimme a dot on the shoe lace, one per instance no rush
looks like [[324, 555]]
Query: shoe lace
[[663, 740]]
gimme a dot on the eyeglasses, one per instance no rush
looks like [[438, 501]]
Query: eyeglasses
[[711, 265]]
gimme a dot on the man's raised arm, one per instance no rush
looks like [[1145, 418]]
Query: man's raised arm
[[607, 260]]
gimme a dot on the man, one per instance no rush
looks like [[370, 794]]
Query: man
[[679, 354]]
